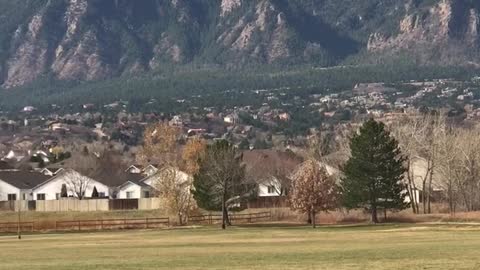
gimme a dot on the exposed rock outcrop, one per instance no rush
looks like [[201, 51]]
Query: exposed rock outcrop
[[96, 39]]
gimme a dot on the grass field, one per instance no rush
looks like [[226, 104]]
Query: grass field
[[338, 247]]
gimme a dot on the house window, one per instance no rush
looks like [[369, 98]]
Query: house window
[[146, 194], [129, 194], [57, 196], [101, 195], [24, 196], [272, 190], [41, 197], [12, 197]]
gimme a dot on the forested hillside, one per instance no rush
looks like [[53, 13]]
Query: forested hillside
[[85, 40]]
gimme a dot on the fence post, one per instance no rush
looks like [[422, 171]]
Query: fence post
[[101, 224], [146, 223]]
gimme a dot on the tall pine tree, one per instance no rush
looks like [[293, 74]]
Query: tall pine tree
[[373, 176]]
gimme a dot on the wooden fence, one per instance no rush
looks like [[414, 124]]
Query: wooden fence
[[112, 224], [123, 204], [87, 205], [125, 223], [87, 225], [268, 202], [10, 227], [243, 218]]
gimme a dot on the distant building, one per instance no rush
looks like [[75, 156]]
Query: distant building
[[29, 109], [231, 119], [284, 117]]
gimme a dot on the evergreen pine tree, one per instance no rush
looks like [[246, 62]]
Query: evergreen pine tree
[[95, 192], [373, 176], [63, 192]]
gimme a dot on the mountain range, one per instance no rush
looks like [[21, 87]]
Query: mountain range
[[85, 40]]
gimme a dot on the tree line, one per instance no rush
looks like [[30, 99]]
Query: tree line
[[208, 87], [382, 168], [372, 177]]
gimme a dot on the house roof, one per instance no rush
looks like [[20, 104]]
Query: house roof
[[261, 165], [138, 183], [5, 166], [116, 179], [139, 167], [23, 179]]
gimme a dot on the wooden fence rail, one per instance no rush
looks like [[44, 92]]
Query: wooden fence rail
[[216, 218], [112, 224], [9, 227], [128, 223]]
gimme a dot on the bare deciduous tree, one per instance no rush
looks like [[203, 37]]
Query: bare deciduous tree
[[174, 188], [77, 184], [468, 168], [420, 137], [159, 144], [271, 168]]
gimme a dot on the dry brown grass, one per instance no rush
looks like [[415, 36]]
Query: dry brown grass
[[359, 216], [281, 215], [390, 246]]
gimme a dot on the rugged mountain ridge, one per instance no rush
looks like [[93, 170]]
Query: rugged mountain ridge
[[96, 39]]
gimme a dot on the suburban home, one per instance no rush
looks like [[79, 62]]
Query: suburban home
[[33, 185], [19, 185], [270, 187], [418, 173], [51, 171], [266, 166], [231, 119], [75, 184], [134, 190], [152, 180], [15, 155], [115, 181], [138, 169], [134, 169]]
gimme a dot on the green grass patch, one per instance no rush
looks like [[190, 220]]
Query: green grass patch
[[334, 247]]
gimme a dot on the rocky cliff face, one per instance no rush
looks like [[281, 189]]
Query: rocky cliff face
[[95, 39], [444, 33]]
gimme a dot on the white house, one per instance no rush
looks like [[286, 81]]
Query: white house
[[138, 169], [19, 185], [231, 118], [134, 190], [150, 170], [152, 180], [51, 171], [270, 188], [15, 155], [134, 169], [74, 182], [34, 185]]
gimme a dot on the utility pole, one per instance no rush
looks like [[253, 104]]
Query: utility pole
[[19, 229]]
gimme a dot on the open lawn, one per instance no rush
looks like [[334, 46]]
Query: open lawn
[[338, 247]]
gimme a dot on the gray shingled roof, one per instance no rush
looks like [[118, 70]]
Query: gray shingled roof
[[23, 179]]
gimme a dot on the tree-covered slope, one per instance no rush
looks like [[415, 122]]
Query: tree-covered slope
[[96, 39]]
